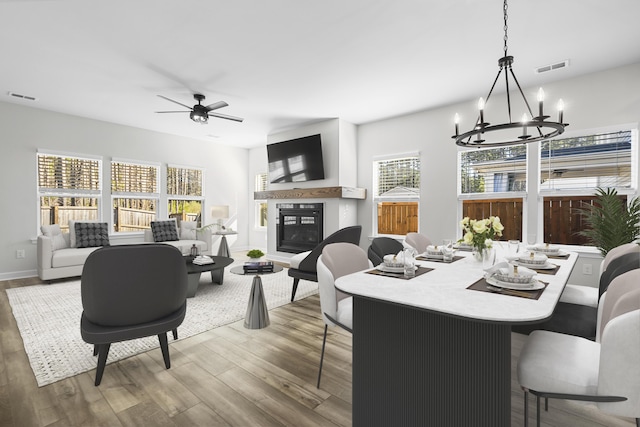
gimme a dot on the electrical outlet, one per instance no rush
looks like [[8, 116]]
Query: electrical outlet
[[586, 269], [20, 253]]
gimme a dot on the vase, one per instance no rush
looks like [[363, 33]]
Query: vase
[[477, 253]]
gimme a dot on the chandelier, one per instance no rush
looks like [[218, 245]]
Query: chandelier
[[485, 134]]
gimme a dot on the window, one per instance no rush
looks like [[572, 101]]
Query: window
[[261, 205], [493, 183], [134, 191], [571, 169], [396, 189], [69, 188], [184, 193]]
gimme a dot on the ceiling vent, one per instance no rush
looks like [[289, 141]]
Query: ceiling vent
[[27, 97], [551, 67]]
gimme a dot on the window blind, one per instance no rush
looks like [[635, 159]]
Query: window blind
[[184, 181], [401, 175], [134, 178], [494, 170], [68, 173]]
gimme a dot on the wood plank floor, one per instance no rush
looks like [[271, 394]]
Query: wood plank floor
[[229, 376]]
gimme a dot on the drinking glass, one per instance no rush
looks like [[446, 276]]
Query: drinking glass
[[409, 263], [447, 250], [514, 247]]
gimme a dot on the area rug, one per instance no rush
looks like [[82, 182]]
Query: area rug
[[48, 317]]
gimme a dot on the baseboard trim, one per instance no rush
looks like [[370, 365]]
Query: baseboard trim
[[12, 275]]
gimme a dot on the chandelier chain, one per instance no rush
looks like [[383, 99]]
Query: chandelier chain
[[506, 27]]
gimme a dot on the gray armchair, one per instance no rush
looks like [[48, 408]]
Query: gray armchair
[[381, 246], [129, 292]]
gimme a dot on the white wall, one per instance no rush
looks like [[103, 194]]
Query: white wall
[[593, 101], [24, 130]]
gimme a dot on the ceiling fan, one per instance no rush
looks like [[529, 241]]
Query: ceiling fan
[[200, 113]]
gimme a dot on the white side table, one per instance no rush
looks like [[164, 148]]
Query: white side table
[[223, 249]]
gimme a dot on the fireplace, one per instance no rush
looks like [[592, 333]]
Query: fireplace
[[298, 226]]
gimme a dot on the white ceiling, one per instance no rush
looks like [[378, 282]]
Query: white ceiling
[[280, 63]]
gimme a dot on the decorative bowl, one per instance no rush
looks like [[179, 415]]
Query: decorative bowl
[[523, 275], [547, 249], [533, 258], [434, 250], [393, 261]]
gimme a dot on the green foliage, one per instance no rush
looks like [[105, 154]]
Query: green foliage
[[255, 253], [610, 221]]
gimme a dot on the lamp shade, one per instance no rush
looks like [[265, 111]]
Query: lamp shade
[[220, 211]]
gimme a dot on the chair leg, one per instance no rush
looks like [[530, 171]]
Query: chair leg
[[324, 341], [295, 288], [526, 408], [95, 349], [546, 404], [175, 334], [103, 352], [637, 422], [537, 411], [164, 346]]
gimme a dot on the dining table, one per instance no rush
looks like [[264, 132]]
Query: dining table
[[435, 349]]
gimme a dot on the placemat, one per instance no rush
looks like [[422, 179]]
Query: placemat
[[482, 286], [423, 258], [563, 256], [419, 271]]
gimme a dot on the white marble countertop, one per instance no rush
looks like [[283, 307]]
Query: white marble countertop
[[444, 290]]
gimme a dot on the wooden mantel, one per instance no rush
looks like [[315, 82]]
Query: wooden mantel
[[313, 193]]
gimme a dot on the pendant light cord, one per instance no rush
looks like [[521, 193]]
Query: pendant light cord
[[506, 37]]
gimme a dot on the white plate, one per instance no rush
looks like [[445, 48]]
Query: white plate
[[549, 254], [534, 285], [386, 269], [545, 266]]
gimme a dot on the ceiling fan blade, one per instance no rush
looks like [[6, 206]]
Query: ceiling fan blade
[[224, 116], [175, 102], [173, 111], [216, 105]]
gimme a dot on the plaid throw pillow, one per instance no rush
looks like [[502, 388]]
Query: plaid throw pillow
[[164, 231], [91, 234]]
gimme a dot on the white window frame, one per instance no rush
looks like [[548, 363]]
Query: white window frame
[[50, 192], [376, 199], [182, 197], [261, 183], [134, 195]]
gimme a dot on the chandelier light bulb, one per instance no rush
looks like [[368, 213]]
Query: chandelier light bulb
[[456, 121], [560, 110]]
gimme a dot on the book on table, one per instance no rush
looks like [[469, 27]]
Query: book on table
[[258, 266]]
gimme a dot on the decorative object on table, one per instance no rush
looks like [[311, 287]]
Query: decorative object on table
[[258, 267], [610, 222], [194, 250], [255, 254], [510, 132], [479, 234], [202, 260], [219, 213]]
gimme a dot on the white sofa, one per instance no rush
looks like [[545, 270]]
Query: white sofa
[[57, 258]]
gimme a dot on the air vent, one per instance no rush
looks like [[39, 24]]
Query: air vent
[[27, 97], [551, 67]]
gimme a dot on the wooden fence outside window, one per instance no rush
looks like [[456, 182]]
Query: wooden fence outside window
[[509, 211], [397, 218]]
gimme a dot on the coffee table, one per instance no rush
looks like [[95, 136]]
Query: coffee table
[[257, 316], [194, 271]]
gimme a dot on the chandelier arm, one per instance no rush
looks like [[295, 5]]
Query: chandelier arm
[[515, 79], [506, 83]]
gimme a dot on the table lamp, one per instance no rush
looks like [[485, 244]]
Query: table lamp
[[219, 213]]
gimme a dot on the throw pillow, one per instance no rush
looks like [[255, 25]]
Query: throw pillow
[[72, 230], [92, 234], [188, 230], [55, 234], [164, 231]]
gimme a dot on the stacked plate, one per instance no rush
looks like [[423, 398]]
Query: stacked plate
[[519, 278], [534, 260], [433, 252]]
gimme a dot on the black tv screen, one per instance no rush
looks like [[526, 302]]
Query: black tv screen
[[296, 160]]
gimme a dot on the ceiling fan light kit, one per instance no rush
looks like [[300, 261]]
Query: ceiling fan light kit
[[200, 113], [483, 134]]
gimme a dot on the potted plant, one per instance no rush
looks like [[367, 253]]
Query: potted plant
[[255, 254], [610, 221]]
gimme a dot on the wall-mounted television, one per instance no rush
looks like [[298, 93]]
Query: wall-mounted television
[[296, 160]]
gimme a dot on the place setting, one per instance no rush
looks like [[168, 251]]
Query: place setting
[[537, 261], [551, 251], [401, 266], [443, 253], [508, 278]]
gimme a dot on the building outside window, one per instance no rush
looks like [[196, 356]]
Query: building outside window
[[261, 205], [396, 194], [134, 194], [493, 182], [69, 188], [570, 171], [185, 193]]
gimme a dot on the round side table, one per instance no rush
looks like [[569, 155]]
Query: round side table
[[257, 316]]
